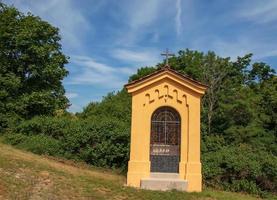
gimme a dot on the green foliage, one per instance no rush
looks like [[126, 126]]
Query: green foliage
[[240, 168], [113, 105], [261, 72], [39, 144], [44, 125], [102, 142], [31, 67], [108, 122], [141, 72], [107, 144]]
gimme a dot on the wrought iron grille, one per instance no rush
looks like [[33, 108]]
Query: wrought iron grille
[[165, 127], [165, 140]]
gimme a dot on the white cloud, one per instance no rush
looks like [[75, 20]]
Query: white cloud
[[259, 11], [127, 70], [71, 95], [92, 72], [91, 63], [236, 47], [266, 54], [178, 21], [231, 49], [143, 13], [61, 13], [137, 57], [241, 37], [101, 68], [91, 77], [140, 17]]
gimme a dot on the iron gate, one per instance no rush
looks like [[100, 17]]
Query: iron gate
[[165, 140]]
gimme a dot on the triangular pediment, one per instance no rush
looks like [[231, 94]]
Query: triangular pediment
[[166, 74]]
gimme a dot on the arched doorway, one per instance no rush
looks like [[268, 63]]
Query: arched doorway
[[165, 140]]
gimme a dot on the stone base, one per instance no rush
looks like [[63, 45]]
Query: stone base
[[163, 182]]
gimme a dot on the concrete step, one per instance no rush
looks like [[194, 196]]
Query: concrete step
[[164, 175], [163, 183]]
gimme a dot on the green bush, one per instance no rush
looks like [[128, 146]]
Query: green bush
[[240, 168], [15, 138], [244, 185], [51, 126], [106, 142], [39, 144], [103, 143]]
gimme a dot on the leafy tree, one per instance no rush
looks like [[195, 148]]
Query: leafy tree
[[208, 68], [114, 105], [261, 72], [142, 72], [32, 66]]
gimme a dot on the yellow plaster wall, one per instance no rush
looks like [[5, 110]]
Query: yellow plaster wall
[[165, 90]]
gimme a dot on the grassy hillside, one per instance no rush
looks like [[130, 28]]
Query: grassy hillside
[[24, 175]]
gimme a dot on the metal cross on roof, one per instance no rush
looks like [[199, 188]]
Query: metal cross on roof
[[167, 54]]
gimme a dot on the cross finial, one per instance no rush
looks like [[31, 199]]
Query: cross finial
[[167, 54]]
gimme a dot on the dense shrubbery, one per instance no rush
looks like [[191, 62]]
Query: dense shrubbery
[[98, 142], [40, 144], [240, 168], [99, 136]]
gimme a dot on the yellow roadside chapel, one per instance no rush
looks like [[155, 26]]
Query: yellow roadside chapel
[[165, 132]]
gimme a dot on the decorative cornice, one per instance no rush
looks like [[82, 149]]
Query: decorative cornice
[[166, 74]]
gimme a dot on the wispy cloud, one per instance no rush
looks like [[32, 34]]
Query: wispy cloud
[[266, 54], [92, 64], [90, 77], [243, 28], [61, 13], [259, 11], [147, 57], [92, 72], [178, 17], [71, 95], [143, 13], [236, 47], [140, 17]]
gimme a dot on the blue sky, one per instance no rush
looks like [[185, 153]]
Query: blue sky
[[107, 40]]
